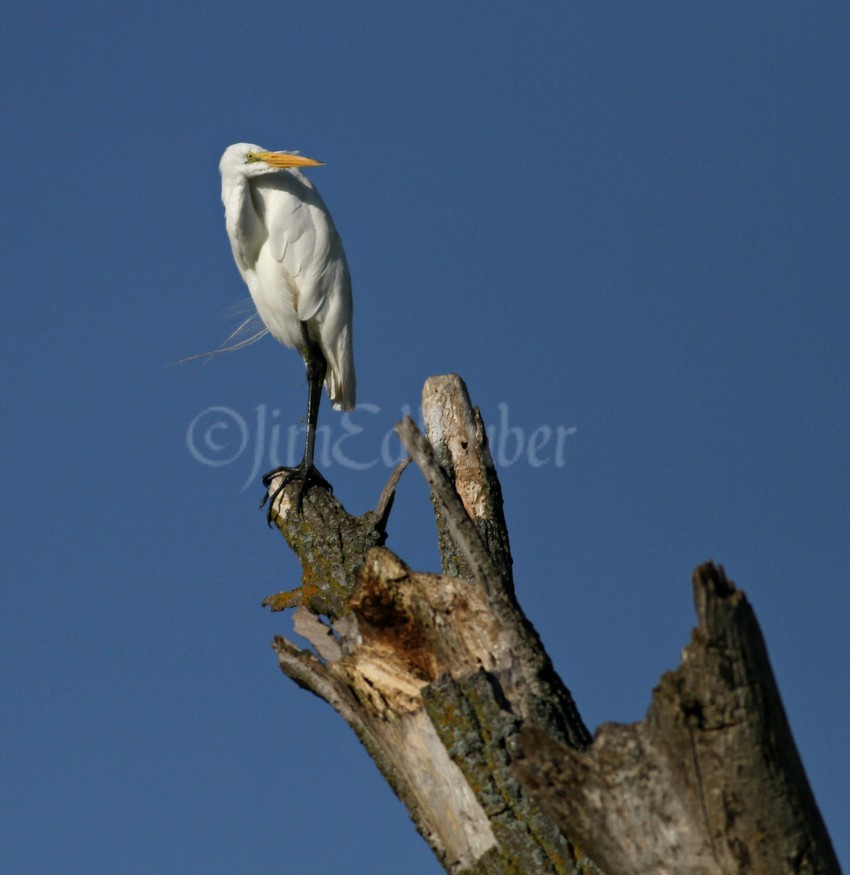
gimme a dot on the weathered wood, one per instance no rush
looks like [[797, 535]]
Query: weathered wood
[[456, 433], [710, 782], [467, 497], [415, 675], [435, 673], [450, 690]]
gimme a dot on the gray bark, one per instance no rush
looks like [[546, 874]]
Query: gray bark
[[709, 781], [449, 688]]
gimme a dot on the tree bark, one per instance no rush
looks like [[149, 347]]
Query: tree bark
[[449, 688], [709, 781]]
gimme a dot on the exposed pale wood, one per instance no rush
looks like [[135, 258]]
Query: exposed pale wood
[[456, 433], [406, 637]]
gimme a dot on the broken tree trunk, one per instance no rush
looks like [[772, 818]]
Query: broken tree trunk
[[709, 781], [449, 688]]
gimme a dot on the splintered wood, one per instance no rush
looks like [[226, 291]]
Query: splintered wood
[[450, 690]]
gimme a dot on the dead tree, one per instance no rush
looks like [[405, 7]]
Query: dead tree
[[451, 692]]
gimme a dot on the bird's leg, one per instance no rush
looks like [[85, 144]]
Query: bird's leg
[[317, 368], [306, 470]]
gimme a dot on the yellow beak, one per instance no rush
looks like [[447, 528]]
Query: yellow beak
[[284, 159]]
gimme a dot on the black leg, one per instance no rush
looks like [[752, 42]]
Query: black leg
[[317, 367], [305, 471]]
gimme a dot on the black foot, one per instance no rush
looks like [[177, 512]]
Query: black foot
[[308, 475]]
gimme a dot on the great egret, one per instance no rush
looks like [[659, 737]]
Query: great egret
[[291, 258]]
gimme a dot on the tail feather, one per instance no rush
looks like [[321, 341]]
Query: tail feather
[[341, 381]]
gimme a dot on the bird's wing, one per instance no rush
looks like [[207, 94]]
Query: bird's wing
[[298, 236]]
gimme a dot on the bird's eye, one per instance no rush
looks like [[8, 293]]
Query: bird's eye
[[251, 158]]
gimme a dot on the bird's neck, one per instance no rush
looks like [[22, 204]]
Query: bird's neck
[[244, 225]]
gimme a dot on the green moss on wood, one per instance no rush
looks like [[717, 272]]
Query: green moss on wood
[[331, 546], [479, 731]]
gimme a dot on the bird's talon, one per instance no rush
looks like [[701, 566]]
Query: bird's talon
[[308, 475]]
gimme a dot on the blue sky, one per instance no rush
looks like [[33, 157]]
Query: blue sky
[[624, 224]]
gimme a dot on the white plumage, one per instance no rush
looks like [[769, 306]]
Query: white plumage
[[291, 258]]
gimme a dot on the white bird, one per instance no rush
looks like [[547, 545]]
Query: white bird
[[291, 257]]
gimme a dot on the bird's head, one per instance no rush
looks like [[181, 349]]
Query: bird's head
[[247, 159]]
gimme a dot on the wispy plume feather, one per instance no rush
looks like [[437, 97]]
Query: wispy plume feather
[[245, 326]]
